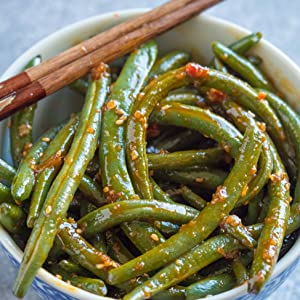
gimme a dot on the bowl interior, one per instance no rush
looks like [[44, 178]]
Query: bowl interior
[[194, 36]]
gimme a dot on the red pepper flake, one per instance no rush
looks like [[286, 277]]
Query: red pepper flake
[[261, 95], [196, 71]]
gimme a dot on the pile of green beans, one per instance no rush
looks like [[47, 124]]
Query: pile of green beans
[[175, 181]]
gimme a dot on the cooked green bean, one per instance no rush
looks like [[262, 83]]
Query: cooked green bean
[[5, 194], [253, 209], [255, 60], [240, 271], [174, 293], [116, 249], [271, 238], [206, 178], [21, 126], [185, 159], [24, 180], [7, 173], [192, 198], [159, 194], [114, 214], [233, 226], [12, 217], [171, 61], [204, 224], [48, 167], [212, 285], [80, 86], [92, 285], [242, 66], [67, 181], [116, 180], [71, 267], [185, 98]]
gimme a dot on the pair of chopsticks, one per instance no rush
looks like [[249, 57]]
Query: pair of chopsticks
[[40, 81]]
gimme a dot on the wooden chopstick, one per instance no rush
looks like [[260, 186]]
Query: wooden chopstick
[[86, 47], [66, 74]]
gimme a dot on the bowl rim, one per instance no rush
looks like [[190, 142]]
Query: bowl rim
[[43, 275]]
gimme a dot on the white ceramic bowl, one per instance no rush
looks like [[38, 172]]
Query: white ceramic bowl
[[194, 36]]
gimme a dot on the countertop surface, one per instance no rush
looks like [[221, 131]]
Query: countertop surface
[[23, 23]]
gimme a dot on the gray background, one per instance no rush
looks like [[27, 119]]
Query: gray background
[[23, 23]]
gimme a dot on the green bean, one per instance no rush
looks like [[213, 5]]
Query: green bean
[[67, 181], [242, 66], [167, 228], [185, 159], [192, 198], [148, 231], [159, 194], [114, 214], [137, 124], [84, 253], [206, 122], [116, 249], [265, 203], [98, 241], [7, 173], [212, 285], [233, 226], [253, 209], [174, 293], [86, 207], [5, 194], [21, 126], [242, 119], [294, 220], [12, 218], [171, 61], [247, 97], [80, 86], [205, 178], [183, 267], [185, 98], [240, 271], [48, 167], [24, 180], [115, 177], [273, 232], [255, 60], [71, 267], [92, 190], [204, 224], [95, 286], [178, 140], [240, 46]]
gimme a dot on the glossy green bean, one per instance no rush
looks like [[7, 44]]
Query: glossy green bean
[[271, 238], [253, 209], [167, 228], [247, 97], [183, 267], [212, 285], [67, 181], [242, 120], [12, 218], [116, 249], [185, 98], [192, 198], [205, 178], [137, 124], [5, 194], [71, 267], [24, 180], [185, 159], [233, 226], [92, 285], [114, 214], [208, 219], [115, 177], [21, 126], [174, 293], [158, 193], [240, 271], [242, 66], [7, 172], [48, 167], [255, 60], [203, 120], [169, 62]]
